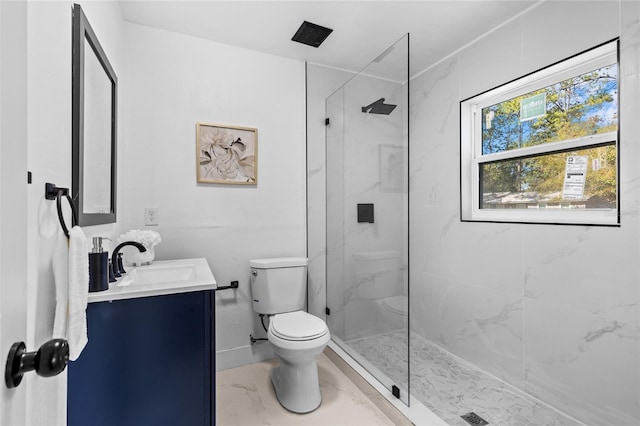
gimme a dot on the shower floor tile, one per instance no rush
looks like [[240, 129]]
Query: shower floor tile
[[450, 387]]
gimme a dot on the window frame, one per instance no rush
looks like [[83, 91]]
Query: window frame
[[471, 156]]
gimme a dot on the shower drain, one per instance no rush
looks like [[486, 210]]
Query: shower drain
[[474, 419]]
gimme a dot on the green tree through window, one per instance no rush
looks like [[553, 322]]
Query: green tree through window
[[576, 107]]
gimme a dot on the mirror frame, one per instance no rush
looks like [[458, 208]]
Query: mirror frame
[[82, 31]]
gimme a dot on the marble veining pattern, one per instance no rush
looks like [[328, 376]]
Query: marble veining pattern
[[553, 310], [245, 396], [450, 387]]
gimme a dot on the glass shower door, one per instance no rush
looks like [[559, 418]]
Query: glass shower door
[[367, 217]]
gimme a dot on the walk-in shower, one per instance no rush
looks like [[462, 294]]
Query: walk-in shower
[[367, 157]]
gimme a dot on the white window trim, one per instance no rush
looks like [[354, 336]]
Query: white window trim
[[471, 144]]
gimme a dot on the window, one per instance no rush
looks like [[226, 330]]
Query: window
[[544, 148]]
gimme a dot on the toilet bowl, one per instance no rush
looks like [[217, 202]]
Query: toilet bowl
[[278, 289], [297, 339]]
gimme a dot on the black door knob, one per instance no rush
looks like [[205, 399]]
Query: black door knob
[[50, 360]]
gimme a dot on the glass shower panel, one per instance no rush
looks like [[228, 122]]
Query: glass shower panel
[[367, 217]]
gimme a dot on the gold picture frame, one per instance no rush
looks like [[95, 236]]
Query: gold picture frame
[[226, 154]]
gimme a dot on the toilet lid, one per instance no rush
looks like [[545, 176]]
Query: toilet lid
[[396, 304], [297, 325]]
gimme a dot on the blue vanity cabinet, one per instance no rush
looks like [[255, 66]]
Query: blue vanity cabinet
[[149, 361]]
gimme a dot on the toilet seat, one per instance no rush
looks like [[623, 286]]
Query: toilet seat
[[297, 326]]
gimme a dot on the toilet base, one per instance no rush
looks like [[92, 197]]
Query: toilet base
[[297, 389]]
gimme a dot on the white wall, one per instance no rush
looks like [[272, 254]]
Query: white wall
[[167, 82], [551, 309], [173, 81], [49, 159], [13, 203]]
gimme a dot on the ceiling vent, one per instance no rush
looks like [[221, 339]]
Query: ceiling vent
[[311, 34]]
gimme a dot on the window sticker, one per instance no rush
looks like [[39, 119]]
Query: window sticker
[[574, 177]]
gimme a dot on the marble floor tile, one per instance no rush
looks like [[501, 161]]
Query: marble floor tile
[[245, 396], [378, 399], [451, 387], [238, 399]]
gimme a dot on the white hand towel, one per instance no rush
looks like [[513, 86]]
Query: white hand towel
[[78, 292], [61, 279]]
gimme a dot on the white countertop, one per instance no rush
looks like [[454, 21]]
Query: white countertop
[[160, 278]]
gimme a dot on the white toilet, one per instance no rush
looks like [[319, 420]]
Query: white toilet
[[279, 289]]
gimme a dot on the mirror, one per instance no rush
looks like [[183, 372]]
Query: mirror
[[94, 127]]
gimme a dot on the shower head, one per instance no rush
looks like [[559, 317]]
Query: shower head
[[379, 107]]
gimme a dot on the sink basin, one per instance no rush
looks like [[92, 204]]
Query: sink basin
[[161, 277], [163, 273]]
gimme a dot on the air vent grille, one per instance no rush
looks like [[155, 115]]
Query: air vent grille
[[311, 34]]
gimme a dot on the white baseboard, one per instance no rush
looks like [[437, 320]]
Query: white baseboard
[[243, 355]]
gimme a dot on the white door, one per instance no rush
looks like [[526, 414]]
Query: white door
[[13, 199]]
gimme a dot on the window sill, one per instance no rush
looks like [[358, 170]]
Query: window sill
[[591, 217]]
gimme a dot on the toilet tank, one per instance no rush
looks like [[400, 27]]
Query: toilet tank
[[377, 274], [278, 285]]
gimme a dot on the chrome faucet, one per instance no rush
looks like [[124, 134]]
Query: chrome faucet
[[118, 270]]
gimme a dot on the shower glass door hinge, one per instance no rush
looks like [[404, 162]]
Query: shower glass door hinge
[[395, 391], [327, 311], [326, 121]]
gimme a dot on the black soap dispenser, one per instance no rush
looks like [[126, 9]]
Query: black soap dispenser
[[98, 267]]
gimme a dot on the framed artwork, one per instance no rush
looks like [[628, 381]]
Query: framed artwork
[[392, 167], [226, 154]]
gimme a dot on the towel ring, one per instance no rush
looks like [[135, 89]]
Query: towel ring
[[53, 192]]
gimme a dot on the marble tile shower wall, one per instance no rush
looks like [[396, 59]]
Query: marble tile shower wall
[[553, 310]]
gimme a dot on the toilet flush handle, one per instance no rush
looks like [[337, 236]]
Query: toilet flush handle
[[254, 272]]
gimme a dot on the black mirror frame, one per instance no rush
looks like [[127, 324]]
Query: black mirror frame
[[82, 30]]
